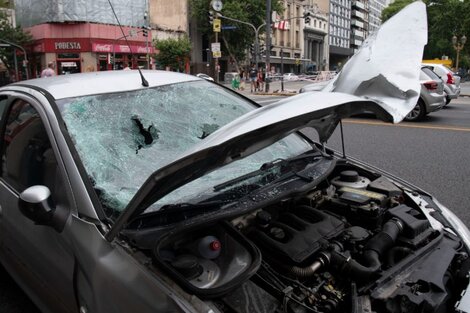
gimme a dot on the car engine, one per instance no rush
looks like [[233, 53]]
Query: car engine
[[356, 242]]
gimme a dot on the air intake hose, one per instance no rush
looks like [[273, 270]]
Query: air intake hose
[[373, 251]]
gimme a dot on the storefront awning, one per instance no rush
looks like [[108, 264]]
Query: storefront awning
[[118, 48]]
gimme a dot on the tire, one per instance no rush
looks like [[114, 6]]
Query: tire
[[418, 112], [448, 100]]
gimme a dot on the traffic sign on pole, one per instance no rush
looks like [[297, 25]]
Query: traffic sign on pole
[[215, 46], [217, 25]]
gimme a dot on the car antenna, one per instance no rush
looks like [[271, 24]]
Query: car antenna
[[342, 137], [145, 83]]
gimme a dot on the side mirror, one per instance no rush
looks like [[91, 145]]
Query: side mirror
[[36, 204]]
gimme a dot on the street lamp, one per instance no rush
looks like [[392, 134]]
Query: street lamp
[[458, 46]]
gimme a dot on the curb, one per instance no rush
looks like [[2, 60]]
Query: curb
[[275, 94]]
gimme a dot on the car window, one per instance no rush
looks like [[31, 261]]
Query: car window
[[122, 138], [429, 73], [439, 71], [27, 156]]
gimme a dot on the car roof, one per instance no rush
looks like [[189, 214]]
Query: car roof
[[75, 85]]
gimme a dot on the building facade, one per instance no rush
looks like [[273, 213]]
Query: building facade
[[359, 23], [169, 19], [287, 38], [315, 47], [375, 14], [81, 36], [340, 33]]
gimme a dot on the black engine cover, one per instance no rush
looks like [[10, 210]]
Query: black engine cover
[[297, 234]]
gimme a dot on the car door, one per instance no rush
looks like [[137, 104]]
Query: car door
[[37, 256]]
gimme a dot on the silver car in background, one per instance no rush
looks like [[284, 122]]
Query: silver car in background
[[451, 80], [432, 96]]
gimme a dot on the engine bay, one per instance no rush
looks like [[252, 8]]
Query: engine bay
[[356, 242]]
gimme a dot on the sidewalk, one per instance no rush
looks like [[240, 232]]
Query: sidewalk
[[290, 88], [465, 89]]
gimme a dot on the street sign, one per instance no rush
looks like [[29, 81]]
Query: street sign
[[215, 47], [229, 27], [217, 25], [216, 54]]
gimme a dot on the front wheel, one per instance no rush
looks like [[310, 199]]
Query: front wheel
[[418, 112]]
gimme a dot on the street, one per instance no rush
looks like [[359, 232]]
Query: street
[[432, 154]]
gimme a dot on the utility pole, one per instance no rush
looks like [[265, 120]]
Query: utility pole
[[217, 25], [147, 24], [268, 43]]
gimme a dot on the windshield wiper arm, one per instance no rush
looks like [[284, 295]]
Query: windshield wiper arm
[[277, 163]]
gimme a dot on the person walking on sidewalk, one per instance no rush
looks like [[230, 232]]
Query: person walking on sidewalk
[[49, 70], [253, 74]]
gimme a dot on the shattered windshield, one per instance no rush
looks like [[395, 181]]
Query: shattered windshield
[[122, 138]]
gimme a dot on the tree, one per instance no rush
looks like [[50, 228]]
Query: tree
[[235, 41], [14, 35], [394, 8], [173, 53], [446, 18]]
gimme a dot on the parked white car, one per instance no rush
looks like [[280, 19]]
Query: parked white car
[[451, 80], [290, 76]]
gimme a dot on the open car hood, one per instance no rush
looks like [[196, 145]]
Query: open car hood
[[382, 78]]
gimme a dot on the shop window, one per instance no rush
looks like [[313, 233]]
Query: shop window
[[68, 63]]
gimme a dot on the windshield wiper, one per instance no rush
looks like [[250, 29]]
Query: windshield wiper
[[282, 166], [186, 205]]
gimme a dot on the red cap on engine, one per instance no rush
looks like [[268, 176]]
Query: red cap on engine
[[215, 245]]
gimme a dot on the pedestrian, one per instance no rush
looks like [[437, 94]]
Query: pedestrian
[[49, 70], [260, 81], [253, 74]]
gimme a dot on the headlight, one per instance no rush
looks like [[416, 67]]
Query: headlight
[[455, 222]]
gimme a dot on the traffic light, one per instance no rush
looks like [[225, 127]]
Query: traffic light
[[307, 18], [145, 32], [252, 49], [211, 17]]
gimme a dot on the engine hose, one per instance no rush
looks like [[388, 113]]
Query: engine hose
[[354, 269], [307, 271], [386, 238], [374, 249]]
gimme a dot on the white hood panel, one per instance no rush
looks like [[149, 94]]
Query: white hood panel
[[386, 67]]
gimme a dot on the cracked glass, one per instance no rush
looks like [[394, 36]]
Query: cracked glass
[[122, 138]]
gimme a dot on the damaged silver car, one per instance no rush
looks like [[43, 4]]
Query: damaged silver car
[[183, 196]]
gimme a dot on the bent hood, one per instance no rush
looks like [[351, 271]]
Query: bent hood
[[373, 81], [386, 67]]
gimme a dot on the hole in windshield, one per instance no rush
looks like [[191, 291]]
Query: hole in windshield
[[122, 138]]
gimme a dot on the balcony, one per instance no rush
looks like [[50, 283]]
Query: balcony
[[359, 5], [357, 23], [358, 33], [356, 42], [357, 14]]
